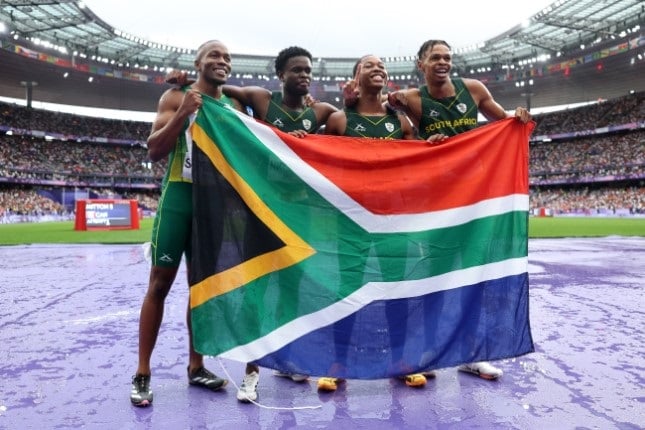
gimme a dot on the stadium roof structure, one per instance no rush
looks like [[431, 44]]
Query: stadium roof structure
[[563, 27], [573, 51]]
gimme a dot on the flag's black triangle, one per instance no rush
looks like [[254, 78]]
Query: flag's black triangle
[[231, 233]]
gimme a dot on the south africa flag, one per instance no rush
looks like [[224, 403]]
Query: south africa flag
[[358, 258]]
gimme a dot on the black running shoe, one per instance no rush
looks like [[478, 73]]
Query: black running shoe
[[204, 378], [141, 394]]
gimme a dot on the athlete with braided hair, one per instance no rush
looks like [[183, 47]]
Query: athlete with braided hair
[[444, 107]]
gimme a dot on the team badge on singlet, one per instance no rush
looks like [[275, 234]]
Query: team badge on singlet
[[278, 123], [461, 107], [433, 114], [389, 127], [306, 124]]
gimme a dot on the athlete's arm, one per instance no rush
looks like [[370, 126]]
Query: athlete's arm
[[174, 107], [484, 100], [323, 111], [179, 77], [489, 107], [257, 98], [336, 124], [406, 127], [407, 101]]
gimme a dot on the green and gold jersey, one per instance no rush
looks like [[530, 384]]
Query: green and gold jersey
[[290, 120], [386, 126], [179, 160], [449, 116]]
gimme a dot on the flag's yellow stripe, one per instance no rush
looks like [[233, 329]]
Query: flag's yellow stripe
[[294, 251]]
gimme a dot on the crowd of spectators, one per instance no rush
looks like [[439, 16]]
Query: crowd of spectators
[[617, 155], [30, 157], [589, 201], [20, 204], [576, 174], [23, 118], [25, 203], [623, 110]]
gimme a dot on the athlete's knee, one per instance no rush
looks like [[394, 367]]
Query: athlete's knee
[[161, 279]]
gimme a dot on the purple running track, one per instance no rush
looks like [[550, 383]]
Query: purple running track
[[68, 335]]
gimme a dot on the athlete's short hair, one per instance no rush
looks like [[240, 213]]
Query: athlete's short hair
[[200, 50], [290, 52]]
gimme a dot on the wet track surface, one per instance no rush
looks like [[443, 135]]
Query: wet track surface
[[68, 342]]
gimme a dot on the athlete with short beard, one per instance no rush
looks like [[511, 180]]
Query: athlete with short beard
[[172, 225]]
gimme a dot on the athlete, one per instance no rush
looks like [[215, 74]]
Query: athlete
[[172, 224], [292, 111], [369, 117], [444, 107]]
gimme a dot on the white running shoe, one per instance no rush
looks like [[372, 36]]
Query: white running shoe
[[295, 377], [483, 369], [249, 389]]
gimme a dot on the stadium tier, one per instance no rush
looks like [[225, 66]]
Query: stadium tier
[[588, 160]]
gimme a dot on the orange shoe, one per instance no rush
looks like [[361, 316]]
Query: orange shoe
[[329, 384], [415, 380]]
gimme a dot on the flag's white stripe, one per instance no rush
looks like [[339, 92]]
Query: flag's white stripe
[[375, 223], [369, 293], [438, 219]]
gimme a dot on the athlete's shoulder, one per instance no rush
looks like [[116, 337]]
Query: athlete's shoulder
[[172, 97], [324, 107], [470, 82]]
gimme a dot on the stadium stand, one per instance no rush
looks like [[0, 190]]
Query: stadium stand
[[48, 159], [589, 160]]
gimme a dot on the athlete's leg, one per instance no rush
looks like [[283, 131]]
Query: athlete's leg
[[152, 309]]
